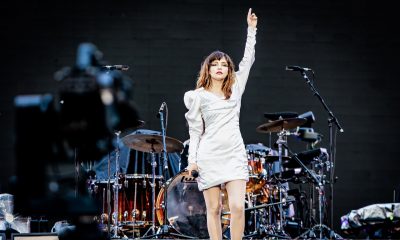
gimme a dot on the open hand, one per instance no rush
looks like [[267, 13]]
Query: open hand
[[251, 19]]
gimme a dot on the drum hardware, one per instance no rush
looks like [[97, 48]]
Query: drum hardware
[[116, 186], [262, 227], [155, 144], [282, 139], [280, 125], [153, 192], [109, 196], [261, 190], [320, 181]]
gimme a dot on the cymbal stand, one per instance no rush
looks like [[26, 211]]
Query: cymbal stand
[[153, 192], [108, 197], [320, 182], [281, 141], [116, 188]]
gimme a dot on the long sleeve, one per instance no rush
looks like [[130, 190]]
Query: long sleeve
[[247, 60], [193, 117]]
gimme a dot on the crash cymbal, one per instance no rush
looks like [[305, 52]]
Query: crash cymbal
[[279, 125], [151, 143]]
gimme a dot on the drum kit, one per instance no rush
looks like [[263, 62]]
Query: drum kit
[[151, 206]]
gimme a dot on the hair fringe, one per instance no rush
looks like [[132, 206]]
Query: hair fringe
[[204, 78]]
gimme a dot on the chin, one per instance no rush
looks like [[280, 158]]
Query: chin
[[219, 78]]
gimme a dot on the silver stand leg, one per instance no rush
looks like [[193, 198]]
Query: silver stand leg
[[281, 140], [153, 192], [153, 195], [116, 187]]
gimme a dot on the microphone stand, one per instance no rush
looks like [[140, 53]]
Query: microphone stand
[[164, 228], [332, 140]]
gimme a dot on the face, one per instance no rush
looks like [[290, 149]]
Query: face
[[218, 69]]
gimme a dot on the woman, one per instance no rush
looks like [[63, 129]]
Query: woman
[[216, 147]]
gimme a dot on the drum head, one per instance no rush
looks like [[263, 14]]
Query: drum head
[[186, 208]]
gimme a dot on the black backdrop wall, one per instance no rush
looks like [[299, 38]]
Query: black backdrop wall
[[353, 47]]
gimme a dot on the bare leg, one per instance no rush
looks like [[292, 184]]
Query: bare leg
[[236, 194], [213, 205]]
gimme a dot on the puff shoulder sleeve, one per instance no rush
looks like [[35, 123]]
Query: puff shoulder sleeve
[[195, 122]]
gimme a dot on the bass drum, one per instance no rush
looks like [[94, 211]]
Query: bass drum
[[186, 208]]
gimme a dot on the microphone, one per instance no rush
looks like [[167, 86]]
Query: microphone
[[116, 67], [161, 109], [297, 68], [195, 173]]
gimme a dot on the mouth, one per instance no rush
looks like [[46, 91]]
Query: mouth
[[219, 72]]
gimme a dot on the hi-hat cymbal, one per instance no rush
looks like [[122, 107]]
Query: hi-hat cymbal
[[279, 125], [151, 143]]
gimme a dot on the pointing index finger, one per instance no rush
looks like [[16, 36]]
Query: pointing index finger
[[249, 13]]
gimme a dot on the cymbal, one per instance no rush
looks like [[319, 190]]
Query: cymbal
[[279, 125], [151, 143], [276, 115]]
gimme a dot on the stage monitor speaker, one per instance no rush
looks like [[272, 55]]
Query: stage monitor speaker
[[34, 236]]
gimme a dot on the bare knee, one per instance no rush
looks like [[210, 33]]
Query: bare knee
[[214, 209], [236, 208]]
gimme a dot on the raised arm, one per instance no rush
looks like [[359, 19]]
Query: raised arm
[[251, 19], [249, 52]]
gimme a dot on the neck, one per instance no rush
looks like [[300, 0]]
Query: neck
[[216, 85]]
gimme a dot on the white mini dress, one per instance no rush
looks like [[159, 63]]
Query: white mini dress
[[219, 151]]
